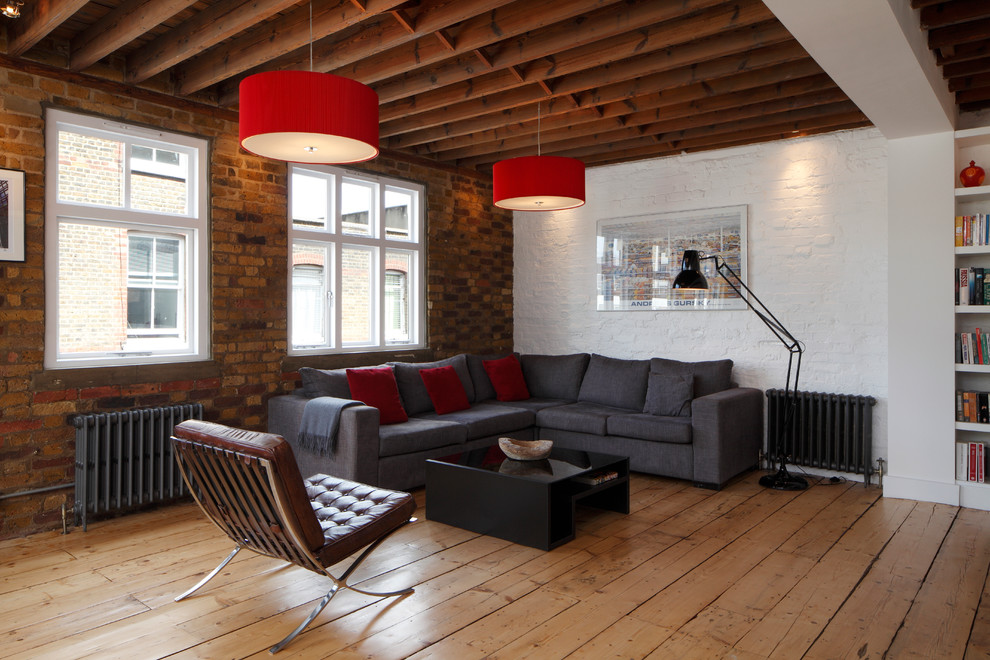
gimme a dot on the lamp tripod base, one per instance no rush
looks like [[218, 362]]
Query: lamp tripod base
[[783, 480]]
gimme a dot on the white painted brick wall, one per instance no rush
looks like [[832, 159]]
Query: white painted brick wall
[[817, 257]]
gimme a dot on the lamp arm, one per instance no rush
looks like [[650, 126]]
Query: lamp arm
[[794, 347]]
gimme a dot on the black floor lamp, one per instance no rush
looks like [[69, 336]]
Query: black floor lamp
[[691, 278]]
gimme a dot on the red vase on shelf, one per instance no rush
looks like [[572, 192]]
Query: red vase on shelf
[[972, 176]]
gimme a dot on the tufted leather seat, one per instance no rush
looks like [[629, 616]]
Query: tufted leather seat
[[248, 484], [351, 514]]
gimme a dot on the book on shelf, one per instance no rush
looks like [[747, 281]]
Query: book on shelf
[[973, 407], [972, 230], [972, 347], [970, 287], [971, 462], [596, 478]]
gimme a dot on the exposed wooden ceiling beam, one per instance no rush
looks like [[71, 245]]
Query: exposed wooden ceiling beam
[[670, 132], [374, 46], [802, 92], [608, 30], [485, 28], [272, 39], [775, 125], [765, 66], [953, 35], [951, 13], [400, 118], [119, 27], [969, 82], [968, 68], [37, 21], [207, 28], [963, 53]]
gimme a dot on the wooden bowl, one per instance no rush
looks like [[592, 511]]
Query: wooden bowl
[[525, 450]]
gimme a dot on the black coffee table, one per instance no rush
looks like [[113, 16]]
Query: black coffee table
[[527, 502]]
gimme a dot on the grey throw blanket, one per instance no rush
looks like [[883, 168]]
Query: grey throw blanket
[[320, 419]]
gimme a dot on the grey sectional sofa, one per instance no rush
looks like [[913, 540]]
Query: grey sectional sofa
[[678, 419]]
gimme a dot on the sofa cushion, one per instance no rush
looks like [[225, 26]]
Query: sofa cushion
[[669, 395], [415, 398], [445, 389], [583, 417], [376, 388], [483, 388], [324, 382], [617, 383], [487, 419], [506, 377], [651, 427], [417, 435], [709, 377], [554, 376]]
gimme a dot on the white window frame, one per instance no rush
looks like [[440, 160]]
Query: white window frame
[[336, 239], [193, 226]]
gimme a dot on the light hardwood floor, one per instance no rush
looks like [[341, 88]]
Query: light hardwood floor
[[832, 572]]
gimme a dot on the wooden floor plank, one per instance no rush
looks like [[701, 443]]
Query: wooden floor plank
[[870, 617], [743, 573], [941, 617]]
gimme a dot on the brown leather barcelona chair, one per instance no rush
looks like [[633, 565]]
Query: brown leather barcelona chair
[[248, 484]]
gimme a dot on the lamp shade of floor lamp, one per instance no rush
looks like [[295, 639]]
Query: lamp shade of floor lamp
[[308, 117], [538, 183]]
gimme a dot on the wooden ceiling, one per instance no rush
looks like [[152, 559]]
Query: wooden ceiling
[[959, 36], [470, 82]]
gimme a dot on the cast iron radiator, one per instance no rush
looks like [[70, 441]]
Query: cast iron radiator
[[124, 458], [832, 431]]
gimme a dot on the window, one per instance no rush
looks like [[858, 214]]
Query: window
[[126, 244], [357, 259]]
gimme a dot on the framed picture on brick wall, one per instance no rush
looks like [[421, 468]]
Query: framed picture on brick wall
[[11, 215], [639, 257]]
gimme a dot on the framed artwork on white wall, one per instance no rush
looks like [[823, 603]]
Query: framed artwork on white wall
[[11, 215], [639, 257]]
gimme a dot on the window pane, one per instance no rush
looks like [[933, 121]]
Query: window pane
[[92, 294], [398, 213], [398, 279], [167, 260], [139, 308], [310, 304], [310, 201], [139, 253], [358, 301], [90, 170], [166, 309], [357, 205], [159, 193]]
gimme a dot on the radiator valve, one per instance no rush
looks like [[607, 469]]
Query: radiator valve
[[878, 470]]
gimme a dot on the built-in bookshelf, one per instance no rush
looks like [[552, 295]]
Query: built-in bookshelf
[[972, 314]]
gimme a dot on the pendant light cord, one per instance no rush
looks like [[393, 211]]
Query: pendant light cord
[[311, 36], [539, 114]]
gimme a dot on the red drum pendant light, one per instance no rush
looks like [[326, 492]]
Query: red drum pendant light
[[538, 183], [308, 116]]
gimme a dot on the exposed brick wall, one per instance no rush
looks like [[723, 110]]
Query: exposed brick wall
[[469, 286]]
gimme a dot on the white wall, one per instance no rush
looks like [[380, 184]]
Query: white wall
[[922, 376], [817, 257]]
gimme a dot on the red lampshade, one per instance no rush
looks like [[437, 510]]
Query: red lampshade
[[539, 183], [308, 117]]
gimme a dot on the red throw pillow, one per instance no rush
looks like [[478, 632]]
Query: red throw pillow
[[377, 388], [507, 378], [445, 389]]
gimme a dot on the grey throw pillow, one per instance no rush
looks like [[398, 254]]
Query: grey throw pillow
[[554, 376], [324, 382], [709, 377], [614, 382], [669, 395]]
